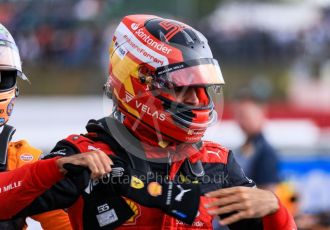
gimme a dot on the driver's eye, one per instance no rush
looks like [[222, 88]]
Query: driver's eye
[[179, 89]]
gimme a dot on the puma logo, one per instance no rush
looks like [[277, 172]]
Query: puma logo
[[181, 194], [214, 153], [92, 148]]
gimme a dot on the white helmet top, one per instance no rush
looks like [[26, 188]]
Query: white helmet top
[[9, 54]]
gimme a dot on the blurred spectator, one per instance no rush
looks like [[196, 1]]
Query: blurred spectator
[[319, 221], [289, 197], [56, 36], [256, 156]]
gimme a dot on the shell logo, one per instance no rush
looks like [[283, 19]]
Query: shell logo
[[26, 157], [136, 209], [155, 189]]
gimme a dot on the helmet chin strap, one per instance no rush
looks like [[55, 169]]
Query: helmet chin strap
[[118, 115], [5, 137], [16, 91]]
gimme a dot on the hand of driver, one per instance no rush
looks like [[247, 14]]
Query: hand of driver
[[96, 161], [243, 202]]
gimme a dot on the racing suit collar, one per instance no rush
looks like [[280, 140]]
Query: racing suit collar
[[156, 150]]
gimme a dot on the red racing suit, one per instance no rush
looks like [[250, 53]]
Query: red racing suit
[[26, 183], [17, 183], [213, 158]]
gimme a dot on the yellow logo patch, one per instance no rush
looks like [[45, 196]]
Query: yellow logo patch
[[136, 183], [154, 189]]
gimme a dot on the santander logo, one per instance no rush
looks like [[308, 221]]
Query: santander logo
[[135, 26], [148, 40]]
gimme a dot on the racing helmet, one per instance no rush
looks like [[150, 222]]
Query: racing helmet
[[153, 61], [10, 69]]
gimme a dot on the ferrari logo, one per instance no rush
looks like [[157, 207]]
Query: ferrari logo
[[136, 183]]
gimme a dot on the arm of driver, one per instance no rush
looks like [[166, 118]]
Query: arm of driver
[[96, 161], [246, 203], [19, 187]]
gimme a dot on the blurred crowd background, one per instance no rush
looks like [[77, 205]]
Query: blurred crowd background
[[280, 50]]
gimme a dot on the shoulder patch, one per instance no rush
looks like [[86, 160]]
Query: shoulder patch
[[78, 139], [27, 157], [86, 144], [75, 138], [214, 152], [20, 153]]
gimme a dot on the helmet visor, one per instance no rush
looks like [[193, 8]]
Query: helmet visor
[[7, 79], [202, 72]]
